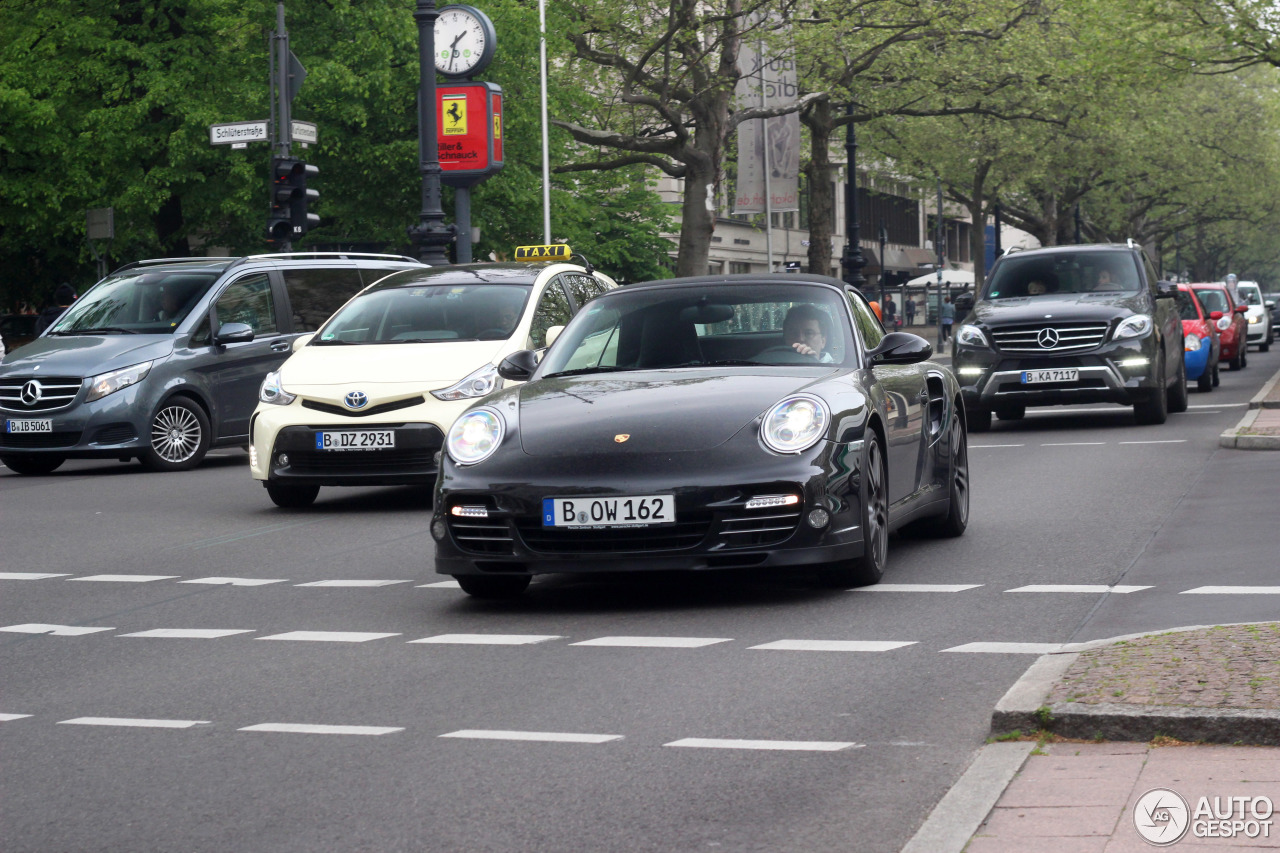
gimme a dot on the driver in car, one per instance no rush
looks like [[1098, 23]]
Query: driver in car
[[806, 329]]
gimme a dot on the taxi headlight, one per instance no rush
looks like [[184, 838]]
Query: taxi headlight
[[1191, 343], [474, 436], [1137, 326], [972, 336], [273, 392], [795, 424], [483, 381], [109, 383]]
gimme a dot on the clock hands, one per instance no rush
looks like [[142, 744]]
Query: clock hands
[[453, 49]]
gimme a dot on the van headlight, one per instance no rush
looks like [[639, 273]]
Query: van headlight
[[109, 383], [273, 392], [474, 436], [971, 336], [795, 424], [477, 384], [1137, 326]]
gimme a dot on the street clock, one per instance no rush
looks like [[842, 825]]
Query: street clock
[[465, 41]]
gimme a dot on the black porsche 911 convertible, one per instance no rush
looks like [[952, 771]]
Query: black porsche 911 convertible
[[721, 422]]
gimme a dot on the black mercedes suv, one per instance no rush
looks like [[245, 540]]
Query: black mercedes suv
[[1071, 324]]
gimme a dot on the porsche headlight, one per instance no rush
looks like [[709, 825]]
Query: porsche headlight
[[1137, 326], [971, 336], [475, 436], [1191, 343], [273, 392], [109, 383], [483, 381], [795, 424]]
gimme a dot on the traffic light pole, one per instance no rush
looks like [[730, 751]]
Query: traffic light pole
[[283, 138]]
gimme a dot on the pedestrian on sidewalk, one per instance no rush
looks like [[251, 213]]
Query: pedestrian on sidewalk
[[890, 313], [948, 317], [910, 308]]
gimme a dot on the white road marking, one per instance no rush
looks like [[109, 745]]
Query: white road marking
[[1160, 441], [328, 636], [126, 578], [1007, 648], [1074, 444], [655, 642], [133, 723], [489, 639], [550, 737], [1106, 410], [1077, 587], [304, 729], [793, 745], [29, 576], [917, 587], [189, 633], [352, 583], [55, 630], [1216, 405], [5, 718], [989, 446], [237, 581], [834, 645], [1232, 590], [440, 585]]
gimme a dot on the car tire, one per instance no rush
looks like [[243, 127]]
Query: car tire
[[1204, 384], [953, 524], [979, 419], [1265, 346], [493, 586], [874, 493], [1011, 412], [1155, 409], [1178, 393], [1244, 357], [1217, 371], [180, 436], [32, 466], [292, 497]]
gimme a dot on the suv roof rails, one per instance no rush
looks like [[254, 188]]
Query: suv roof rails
[[288, 256], [1132, 244], [1012, 249], [158, 261]]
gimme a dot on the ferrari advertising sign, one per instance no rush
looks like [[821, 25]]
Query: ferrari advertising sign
[[469, 118]]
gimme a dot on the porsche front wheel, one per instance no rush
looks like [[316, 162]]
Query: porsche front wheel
[[869, 567]]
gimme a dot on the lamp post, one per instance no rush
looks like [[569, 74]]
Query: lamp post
[[430, 235], [884, 238], [852, 262]]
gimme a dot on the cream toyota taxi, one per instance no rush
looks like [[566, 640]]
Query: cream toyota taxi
[[369, 397]]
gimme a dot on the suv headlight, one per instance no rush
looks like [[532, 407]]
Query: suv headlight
[[474, 436], [1191, 343], [273, 392], [795, 424], [109, 383], [1137, 326], [972, 336], [483, 381]]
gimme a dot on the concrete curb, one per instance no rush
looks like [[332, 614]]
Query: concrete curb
[[1260, 401]]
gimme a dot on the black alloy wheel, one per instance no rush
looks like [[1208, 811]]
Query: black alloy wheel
[[874, 492], [292, 497], [1154, 409], [1178, 393], [32, 466], [493, 586], [180, 436]]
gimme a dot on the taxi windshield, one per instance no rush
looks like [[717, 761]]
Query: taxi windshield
[[677, 327], [149, 303], [1058, 273], [427, 314]]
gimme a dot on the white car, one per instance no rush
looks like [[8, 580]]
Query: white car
[[1260, 332], [369, 397]]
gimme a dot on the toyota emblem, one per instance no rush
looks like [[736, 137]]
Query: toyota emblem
[[32, 392], [356, 400], [1048, 338]]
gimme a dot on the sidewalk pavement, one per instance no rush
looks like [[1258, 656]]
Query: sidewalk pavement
[[1133, 743]]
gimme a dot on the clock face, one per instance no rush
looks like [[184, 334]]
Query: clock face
[[464, 41]]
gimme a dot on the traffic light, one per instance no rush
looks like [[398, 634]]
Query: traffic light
[[302, 220], [289, 199]]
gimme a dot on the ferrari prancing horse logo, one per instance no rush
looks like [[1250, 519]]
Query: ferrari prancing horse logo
[[621, 437]]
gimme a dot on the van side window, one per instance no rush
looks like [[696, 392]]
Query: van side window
[[553, 310], [314, 294], [248, 300]]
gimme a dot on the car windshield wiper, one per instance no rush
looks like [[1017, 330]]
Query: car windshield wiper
[[333, 343], [727, 362], [584, 370], [97, 330]]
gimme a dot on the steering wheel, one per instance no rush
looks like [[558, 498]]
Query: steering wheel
[[783, 354]]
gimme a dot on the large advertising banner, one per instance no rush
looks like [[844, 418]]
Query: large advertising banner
[[775, 141]]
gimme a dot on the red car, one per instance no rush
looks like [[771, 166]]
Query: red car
[[1230, 320], [1201, 340]]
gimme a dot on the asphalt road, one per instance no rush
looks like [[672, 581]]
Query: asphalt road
[[621, 714]]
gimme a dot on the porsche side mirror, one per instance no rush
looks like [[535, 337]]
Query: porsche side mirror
[[233, 333], [302, 341], [901, 348], [1166, 290], [518, 366]]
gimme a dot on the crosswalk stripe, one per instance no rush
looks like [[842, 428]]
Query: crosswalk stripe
[[55, 630], [5, 718], [237, 581], [352, 583], [1078, 587], [917, 587], [1074, 444], [440, 585], [1232, 590], [1007, 648], [549, 737], [1159, 441], [29, 576], [126, 578], [307, 729], [794, 745], [489, 639], [134, 723], [655, 642], [328, 636], [992, 446], [835, 645], [189, 633]]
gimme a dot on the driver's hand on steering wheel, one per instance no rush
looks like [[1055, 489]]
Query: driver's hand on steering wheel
[[804, 349]]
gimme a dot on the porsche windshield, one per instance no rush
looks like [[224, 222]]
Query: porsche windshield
[[427, 314], [677, 327], [149, 303], [1057, 273]]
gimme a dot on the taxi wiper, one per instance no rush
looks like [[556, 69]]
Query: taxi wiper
[[96, 330], [582, 370], [333, 343]]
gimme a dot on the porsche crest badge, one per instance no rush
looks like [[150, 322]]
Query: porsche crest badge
[[621, 437]]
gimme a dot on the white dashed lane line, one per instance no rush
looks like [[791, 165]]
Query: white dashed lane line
[[990, 446], [327, 636], [1007, 648], [237, 581], [655, 642], [547, 737], [790, 745], [5, 718], [834, 645], [190, 633], [440, 585], [353, 583], [489, 639], [133, 723], [1078, 588], [917, 587], [28, 576], [308, 729], [55, 630], [127, 578], [1074, 444], [1232, 590]]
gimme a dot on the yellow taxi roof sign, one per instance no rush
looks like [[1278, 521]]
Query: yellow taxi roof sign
[[553, 252]]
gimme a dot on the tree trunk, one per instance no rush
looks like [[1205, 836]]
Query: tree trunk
[[977, 214], [697, 219], [821, 198]]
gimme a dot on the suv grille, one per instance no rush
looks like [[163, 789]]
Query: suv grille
[[1050, 337], [50, 393]]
